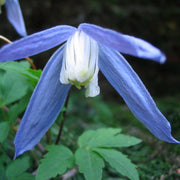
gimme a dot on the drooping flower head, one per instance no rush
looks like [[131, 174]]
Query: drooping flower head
[[80, 63], [89, 48], [15, 16]]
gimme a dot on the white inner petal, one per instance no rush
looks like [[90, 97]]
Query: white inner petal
[[80, 63]]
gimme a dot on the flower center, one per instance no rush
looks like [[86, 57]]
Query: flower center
[[80, 63]]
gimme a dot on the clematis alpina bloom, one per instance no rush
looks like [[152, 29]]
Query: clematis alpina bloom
[[88, 49], [15, 17]]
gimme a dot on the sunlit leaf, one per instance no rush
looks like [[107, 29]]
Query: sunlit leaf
[[106, 137]]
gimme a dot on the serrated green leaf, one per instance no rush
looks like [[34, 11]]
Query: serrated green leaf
[[56, 161], [106, 137], [90, 164], [12, 88], [4, 131], [120, 162], [17, 167], [119, 140], [89, 136]]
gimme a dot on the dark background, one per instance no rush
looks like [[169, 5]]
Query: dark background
[[156, 21]]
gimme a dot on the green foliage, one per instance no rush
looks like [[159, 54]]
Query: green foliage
[[106, 137], [56, 161], [96, 146], [119, 161], [17, 168], [13, 88], [16, 85], [90, 164], [24, 176], [90, 156], [22, 68], [104, 153], [18, 108], [4, 131]]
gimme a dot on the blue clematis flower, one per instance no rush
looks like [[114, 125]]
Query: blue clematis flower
[[15, 17], [88, 48]]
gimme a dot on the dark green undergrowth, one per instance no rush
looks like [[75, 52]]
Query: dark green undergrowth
[[154, 159], [92, 137]]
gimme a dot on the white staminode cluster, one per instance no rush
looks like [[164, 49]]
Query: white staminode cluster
[[80, 63]]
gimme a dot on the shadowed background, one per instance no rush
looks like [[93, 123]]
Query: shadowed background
[[155, 21]]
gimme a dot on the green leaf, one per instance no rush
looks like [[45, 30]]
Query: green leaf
[[18, 108], [12, 88], [17, 167], [119, 161], [84, 139], [24, 176], [90, 164], [14, 66], [106, 137], [23, 68], [4, 131], [2, 171], [56, 161]]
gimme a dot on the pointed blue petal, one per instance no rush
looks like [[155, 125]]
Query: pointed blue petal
[[122, 77], [123, 43], [15, 17], [44, 106], [36, 43]]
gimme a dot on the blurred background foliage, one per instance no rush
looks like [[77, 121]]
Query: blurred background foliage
[[156, 21]]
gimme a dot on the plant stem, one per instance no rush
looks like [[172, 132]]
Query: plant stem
[[48, 137], [62, 122]]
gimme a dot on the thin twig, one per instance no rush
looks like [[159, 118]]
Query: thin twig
[[41, 148], [31, 63], [27, 58], [48, 137], [5, 39], [70, 173], [62, 122]]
